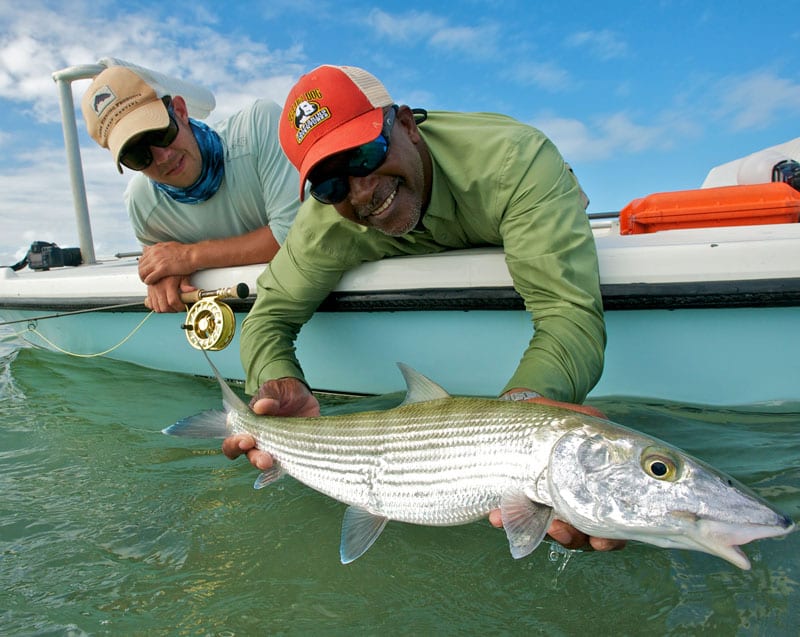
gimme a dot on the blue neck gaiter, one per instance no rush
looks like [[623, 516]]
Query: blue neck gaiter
[[213, 168]]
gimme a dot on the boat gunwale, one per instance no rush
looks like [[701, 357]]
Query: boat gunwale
[[775, 292]]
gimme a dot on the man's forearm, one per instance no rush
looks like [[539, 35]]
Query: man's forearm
[[258, 246], [564, 359]]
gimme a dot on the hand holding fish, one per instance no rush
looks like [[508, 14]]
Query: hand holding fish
[[279, 397], [284, 397]]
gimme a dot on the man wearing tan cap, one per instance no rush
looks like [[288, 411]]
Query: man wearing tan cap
[[202, 197], [387, 180]]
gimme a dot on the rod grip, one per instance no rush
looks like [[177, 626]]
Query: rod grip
[[240, 291]]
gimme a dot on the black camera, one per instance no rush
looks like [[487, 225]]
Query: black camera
[[787, 171], [44, 255]]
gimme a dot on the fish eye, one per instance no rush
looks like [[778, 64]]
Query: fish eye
[[660, 465]]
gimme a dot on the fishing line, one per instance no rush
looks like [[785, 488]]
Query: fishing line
[[32, 328], [72, 313]]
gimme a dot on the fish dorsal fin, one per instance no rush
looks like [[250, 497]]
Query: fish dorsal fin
[[420, 388], [360, 529], [525, 522], [230, 400]]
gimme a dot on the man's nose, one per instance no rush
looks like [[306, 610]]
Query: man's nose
[[362, 189], [160, 155]]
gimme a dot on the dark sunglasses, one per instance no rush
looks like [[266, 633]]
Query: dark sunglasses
[[330, 179], [136, 155]]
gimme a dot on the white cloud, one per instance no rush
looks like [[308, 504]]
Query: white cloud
[[546, 75], [603, 137], [476, 41], [437, 32], [54, 214], [408, 27], [603, 44], [756, 100], [233, 99], [39, 40]]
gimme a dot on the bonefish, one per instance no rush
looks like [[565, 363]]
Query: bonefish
[[441, 460]]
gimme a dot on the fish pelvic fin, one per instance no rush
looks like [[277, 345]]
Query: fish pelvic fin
[[360, 529], [207, 424], [266, 478], [525, 522], [420, 388], [230, 400]]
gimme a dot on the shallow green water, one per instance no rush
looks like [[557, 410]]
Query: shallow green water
[[109, 527]]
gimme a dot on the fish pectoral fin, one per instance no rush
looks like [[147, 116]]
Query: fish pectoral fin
[[360, 529], [265, 478], [525, 521], [207, 424]]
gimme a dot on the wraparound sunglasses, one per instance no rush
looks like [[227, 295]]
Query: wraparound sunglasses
[[136, 155], [329, 179]]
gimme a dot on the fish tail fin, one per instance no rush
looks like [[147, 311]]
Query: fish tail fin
[[207, 424]]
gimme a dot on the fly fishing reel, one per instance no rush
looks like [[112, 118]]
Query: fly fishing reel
[[210, 322]]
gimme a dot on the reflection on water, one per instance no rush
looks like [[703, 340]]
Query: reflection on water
[[109, 527]]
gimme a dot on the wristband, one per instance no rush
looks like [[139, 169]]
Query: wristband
[[521, 395]]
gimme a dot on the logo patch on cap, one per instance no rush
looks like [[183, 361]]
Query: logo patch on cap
[[102, 99], [308, 114]]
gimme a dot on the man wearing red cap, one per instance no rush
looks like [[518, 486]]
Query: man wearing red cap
[[387, 180], [201, 197]]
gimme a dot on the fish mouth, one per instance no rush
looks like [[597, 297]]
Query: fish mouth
[[723, 539]]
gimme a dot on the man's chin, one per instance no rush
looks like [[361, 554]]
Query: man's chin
[[398, 227]]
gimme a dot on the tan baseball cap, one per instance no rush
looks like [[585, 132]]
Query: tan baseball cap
[[119, 105]]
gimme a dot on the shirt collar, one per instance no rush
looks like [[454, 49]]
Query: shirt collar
[[442, 206]]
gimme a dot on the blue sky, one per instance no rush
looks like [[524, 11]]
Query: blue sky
[[640, 97]]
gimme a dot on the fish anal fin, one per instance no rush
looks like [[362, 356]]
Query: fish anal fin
[[266, 478], [420, 388], [525, 522], [360, 529]]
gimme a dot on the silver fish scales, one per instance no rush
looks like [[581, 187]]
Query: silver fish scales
[[441, 462]]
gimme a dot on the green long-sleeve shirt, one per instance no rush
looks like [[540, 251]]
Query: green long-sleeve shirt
[[495, 182]]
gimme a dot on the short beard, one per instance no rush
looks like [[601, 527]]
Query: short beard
[[413, 220], [415, 213]]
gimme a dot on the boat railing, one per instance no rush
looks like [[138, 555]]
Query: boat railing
[[602, 220], [64, 79]]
